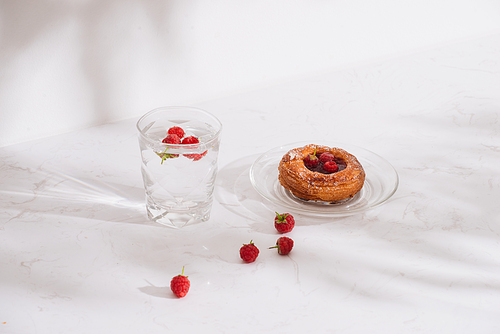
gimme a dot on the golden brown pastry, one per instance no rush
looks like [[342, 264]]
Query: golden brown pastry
[[310, 174]]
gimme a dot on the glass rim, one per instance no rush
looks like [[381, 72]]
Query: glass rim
[[149, 113]]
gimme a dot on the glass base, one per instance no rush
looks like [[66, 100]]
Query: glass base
[[179, 218]]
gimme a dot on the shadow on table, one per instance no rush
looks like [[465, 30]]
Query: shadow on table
[[235, 192], [55, 192], [157, 291]]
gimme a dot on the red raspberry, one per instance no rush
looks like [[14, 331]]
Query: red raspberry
[[171, 139], [327, 156], [180, 285], [249, 252], [330, 167], [196, 157], [175, 130], [284, 245], [193, 140], [311, 160], [190, 140], [284, 223]]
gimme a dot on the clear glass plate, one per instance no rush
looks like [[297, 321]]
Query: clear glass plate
[[381, 182]]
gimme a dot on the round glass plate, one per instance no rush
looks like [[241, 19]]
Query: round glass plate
[[381, 182]]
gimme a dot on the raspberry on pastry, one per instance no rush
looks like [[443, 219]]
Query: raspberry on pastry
[[332, 180]]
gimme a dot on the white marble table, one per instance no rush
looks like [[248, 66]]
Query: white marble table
[[78, 255]]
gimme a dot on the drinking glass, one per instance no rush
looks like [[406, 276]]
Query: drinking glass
[[179, 178]]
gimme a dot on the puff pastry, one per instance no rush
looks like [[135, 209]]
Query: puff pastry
[[317, 186]]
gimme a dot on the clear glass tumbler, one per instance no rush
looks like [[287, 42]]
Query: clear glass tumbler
[[179, 178]]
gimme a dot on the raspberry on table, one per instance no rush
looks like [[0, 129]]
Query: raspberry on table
[[249, 252], [284, 223], [284, 245], [175, 130], [180, 284]]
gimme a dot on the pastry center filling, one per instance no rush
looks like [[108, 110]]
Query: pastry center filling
[[324, 163]]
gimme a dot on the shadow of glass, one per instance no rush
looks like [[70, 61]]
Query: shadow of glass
[[63, 194]]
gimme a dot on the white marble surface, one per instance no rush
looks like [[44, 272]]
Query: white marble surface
[[78, 255]]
